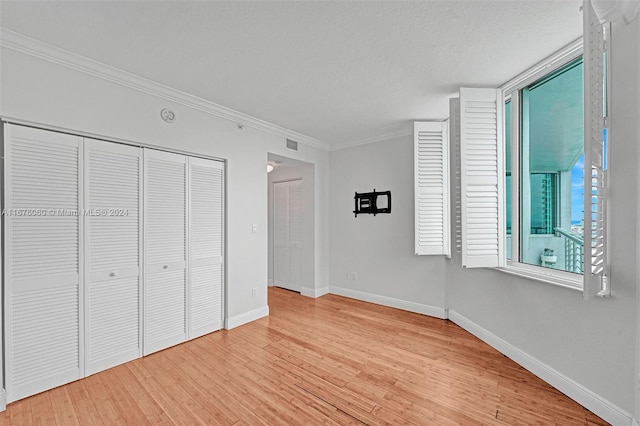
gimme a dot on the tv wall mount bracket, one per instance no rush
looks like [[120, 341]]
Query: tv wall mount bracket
[[372, 202]]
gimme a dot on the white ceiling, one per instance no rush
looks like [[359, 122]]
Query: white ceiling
[[342, 72]]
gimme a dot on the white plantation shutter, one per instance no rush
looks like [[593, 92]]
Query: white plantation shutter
[[482, 185], [431, 164], [454, 179], [43, 263], [207, 245], [112, 287], [165, 250], [595, 175]]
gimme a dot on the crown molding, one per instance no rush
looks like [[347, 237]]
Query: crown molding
[[405, 129], [397, 131], [38, 49]]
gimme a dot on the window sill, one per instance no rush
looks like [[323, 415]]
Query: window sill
[[545, 275]]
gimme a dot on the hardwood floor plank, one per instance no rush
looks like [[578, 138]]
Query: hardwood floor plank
[[82, 403], [126, 406], [41, 410], [62, 406], [218, 386], [191, 397], [135, 393], [102, 400], [331, 361], [164, 397]]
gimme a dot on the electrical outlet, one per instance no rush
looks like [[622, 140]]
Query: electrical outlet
[[347, 276], [354, 276], [254, 292]]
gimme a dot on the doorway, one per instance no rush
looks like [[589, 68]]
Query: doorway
[[291, 246]]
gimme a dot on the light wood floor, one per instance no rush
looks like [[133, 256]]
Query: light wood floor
[[330, 360]]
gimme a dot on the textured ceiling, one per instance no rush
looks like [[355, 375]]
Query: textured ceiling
[[341, 72]]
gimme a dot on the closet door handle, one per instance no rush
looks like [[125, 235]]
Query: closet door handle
[[165, 267], [113, 274]]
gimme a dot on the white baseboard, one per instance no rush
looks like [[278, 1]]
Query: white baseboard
[[270, 282], [314, 292], [583, 396], [419, 308], [3, 400], [247, 317]]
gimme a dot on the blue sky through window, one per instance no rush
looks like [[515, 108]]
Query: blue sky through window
[[577, 191]]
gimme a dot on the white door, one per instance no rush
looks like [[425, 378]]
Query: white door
[[287, 234], [206, 249], [43, 263], [165, 250], [112, 243]]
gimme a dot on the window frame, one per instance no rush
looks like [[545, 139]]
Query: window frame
[[511, 91]]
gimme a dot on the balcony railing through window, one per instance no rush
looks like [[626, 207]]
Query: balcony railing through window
[[573, 250]]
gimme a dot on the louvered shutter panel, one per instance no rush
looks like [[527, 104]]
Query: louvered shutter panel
[[482, 184], [165, 250], [207, 245], [454, 179], [280, 234], [595, 175], [295, 234], [42, 297], [112, 223], [431, 164]]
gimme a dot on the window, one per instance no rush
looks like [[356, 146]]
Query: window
[[533, 169], [549, 149], [528, 178], [507, 144]]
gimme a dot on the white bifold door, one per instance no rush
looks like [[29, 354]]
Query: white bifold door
[[43, 264], [113, 199], [206, 248], [111, 252], [287, 234], [184, 240], [165, 187]]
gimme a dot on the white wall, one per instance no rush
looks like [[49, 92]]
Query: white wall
[[290, 171], [54, 95], [591, 343], [380, 249]]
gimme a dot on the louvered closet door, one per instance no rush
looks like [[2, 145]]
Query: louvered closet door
[[165, 250], [112, 235], [206, 208], [42, 260]]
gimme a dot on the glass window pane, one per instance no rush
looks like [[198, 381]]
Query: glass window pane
[[552, 187], [507, 138]]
